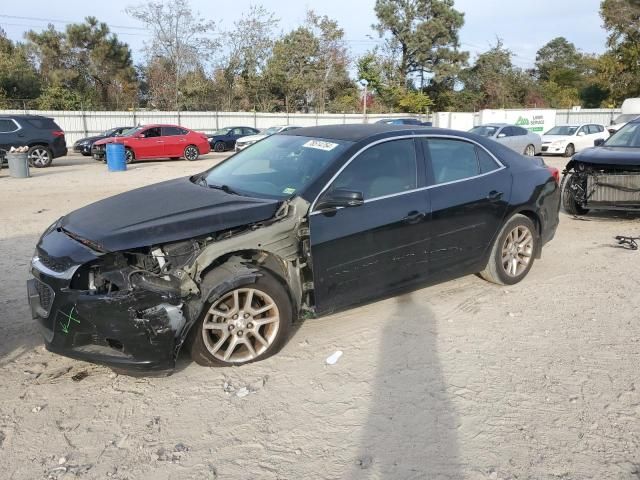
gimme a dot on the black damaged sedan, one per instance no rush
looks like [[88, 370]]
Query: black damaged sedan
[[301, 224]]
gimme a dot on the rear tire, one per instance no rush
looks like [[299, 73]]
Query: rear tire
[[191, 153], [229, 318], [39, 156], [530, 151], [569, 203], [513, 252]]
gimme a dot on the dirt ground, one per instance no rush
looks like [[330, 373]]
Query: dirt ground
[[464, 380]]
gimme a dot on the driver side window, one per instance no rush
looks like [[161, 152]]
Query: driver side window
[[383, 169], [151, 132]]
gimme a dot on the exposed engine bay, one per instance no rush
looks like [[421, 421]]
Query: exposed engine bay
[[589, 187]]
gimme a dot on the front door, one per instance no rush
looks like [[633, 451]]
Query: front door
[[367, 251], [150, 144], [469, 196]]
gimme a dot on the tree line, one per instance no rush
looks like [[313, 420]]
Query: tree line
[[191, 63]]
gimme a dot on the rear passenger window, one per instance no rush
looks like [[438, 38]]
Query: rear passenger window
[[171, 131], [383, 169], [452, 160], [486, 161]]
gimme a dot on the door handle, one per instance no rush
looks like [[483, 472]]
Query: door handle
[[414, 217], [494, 196], [159, 141]]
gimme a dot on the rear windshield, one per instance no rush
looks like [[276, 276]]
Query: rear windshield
[[627, 117], [485, 130]]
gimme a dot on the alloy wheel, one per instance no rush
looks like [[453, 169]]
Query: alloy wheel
[[39, 157], [517, 251], [530, 151], [191, 153], [241, 325], [128, 156], [219, 147]]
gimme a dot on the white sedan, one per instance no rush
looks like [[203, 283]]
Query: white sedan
[[244, 142], [569, 139]]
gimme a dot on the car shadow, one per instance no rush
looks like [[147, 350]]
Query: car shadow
[[411, 426]]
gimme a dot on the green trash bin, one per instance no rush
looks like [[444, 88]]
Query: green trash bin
[[18, 165]]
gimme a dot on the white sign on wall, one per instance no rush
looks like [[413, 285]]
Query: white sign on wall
[[534, 120]]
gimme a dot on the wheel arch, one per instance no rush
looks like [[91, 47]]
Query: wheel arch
[[537, 222], [234, 269]]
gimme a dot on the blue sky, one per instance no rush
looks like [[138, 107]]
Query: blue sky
[[524, 26]]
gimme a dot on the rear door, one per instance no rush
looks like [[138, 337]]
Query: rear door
[[10, 134], [469, 195], [368, 251], [505, 136], [175, 141]]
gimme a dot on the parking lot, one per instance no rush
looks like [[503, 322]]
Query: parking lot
[[465, 379]]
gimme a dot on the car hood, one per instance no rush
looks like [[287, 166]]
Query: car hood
[[161, 213], [555, 138], [90, 139], [105, 140], [252, 138], [622, 156]]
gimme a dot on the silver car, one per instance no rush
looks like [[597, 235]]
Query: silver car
[[516, 138]]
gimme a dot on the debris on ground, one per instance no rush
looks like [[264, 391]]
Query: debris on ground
[[333, 358], [629, 243], [78, 377]]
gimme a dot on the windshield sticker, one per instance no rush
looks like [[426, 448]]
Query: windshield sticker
[[320, 145], [289, 191]]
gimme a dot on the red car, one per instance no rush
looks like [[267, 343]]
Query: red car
[[151, 142]]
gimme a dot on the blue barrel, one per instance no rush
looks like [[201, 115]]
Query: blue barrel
[[116, 159]]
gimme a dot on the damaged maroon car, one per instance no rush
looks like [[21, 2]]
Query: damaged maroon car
[[301, 224]]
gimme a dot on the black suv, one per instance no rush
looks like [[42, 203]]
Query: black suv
[[42, 135]]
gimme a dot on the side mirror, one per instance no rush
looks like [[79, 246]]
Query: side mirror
[[581, 134], [598, 142], [502, 135], [340, 198]]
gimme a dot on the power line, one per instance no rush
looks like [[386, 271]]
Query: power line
[[50, 20]]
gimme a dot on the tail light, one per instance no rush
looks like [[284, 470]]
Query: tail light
[[58, 133], [554, 172]]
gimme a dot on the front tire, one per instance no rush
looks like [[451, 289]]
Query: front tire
[[512, 254], [39, 156], [569, 202], [219, 147], [129, 156], [247, 323], [569, 151], [191, 153]]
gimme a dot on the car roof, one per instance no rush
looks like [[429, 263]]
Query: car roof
[[23, 115], [358, 132], [496, 124]]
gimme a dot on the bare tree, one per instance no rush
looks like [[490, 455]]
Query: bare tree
[[250, 46], [180, 37]]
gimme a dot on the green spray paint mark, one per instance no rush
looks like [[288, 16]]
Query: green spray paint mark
[[69, 318]]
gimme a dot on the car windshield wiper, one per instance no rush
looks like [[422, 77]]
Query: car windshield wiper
[[225, 189]]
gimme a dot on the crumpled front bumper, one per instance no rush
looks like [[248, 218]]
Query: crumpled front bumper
[[130, 330]]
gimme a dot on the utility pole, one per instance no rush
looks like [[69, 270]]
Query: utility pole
[[365, 84]]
